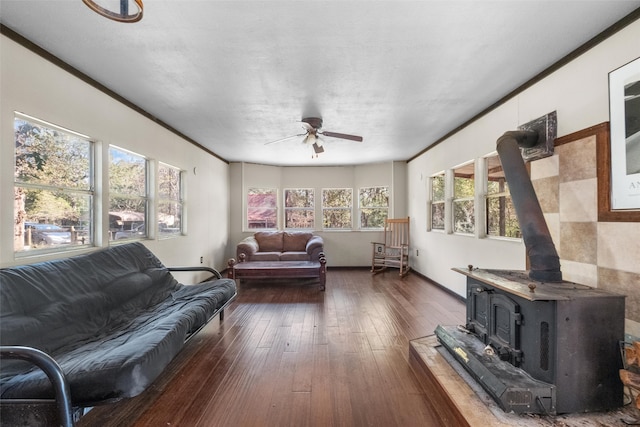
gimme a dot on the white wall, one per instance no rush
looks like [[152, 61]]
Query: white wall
[[34, 86], [578, 92], [343, 248]]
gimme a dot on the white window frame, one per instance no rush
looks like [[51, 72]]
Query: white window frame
[[336, 208], [459, 199], [178, 201], [77, 240], [247, 207], [134, 232], [431, 202], [380, 208], [308, 209], [489, 196]]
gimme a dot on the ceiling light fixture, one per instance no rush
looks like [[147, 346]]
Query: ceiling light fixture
[[117, 10]]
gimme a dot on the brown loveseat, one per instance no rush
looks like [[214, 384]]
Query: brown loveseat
[[280, 246]]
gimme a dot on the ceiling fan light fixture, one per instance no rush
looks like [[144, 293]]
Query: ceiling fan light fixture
[[117, 10], [317, 148]]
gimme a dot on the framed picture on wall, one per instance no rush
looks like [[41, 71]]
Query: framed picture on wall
[[624, 113]]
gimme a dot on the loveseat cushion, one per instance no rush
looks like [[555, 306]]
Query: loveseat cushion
[[266, 256], [296, 240], [269, 241], [294, 256]]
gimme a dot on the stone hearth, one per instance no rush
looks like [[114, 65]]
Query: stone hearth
[[460, 401]]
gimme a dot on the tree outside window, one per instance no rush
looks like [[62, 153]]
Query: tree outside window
[[500, 212], [128, 195], [464, 218], [53, 188], [299, 208], [170, 203], [337, 205], [436, 202], [262, 208], [374, 206]]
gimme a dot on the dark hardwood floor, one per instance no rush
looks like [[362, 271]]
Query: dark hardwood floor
[[288, 354]]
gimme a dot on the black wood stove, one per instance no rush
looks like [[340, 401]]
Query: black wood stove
[[535, 342]]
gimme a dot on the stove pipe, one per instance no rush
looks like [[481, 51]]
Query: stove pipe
[[543, 258]]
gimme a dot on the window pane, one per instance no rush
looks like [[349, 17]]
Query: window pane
[[337, 198], [463, 181], [437, 188], [298, 198], [501, 217], [463, 216], [168, 182], [127, 173], [261, 208], [51, 157], [437, 216], [169, 219], [496, 182], [374, 197], [56, 218], [373, 218], [299, 218], [336, 218], [125, 224]]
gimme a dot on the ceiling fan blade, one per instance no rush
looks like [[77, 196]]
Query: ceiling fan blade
[[285, 138], [341, 135]]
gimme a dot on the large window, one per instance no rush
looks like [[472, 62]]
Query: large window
[[53, 187], [337, 206], [464, 218], [436, 202], [374, 206], [262, 208], [128, 195], [500, 212], [299, 208], [170, 201]]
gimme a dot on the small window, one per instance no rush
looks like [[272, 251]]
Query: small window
[[128, 195], [464, 218], [299, 208], [170, 203], [374, 207], [501, 215], [436, 202], [53, 187], [262, 210], [337, 208]]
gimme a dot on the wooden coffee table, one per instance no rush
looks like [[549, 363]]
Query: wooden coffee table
[[279, 269]]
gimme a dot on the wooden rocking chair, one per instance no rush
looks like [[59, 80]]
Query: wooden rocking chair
[[394, 252]]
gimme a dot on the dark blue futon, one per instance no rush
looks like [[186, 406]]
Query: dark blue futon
[[112, 320]]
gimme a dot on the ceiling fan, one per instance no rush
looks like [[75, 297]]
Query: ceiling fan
[[313, 131]]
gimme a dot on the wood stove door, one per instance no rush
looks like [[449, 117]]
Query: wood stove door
[[504, 328], [477, 310]]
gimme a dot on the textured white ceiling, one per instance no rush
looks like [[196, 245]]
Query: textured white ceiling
[[233, 75]]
